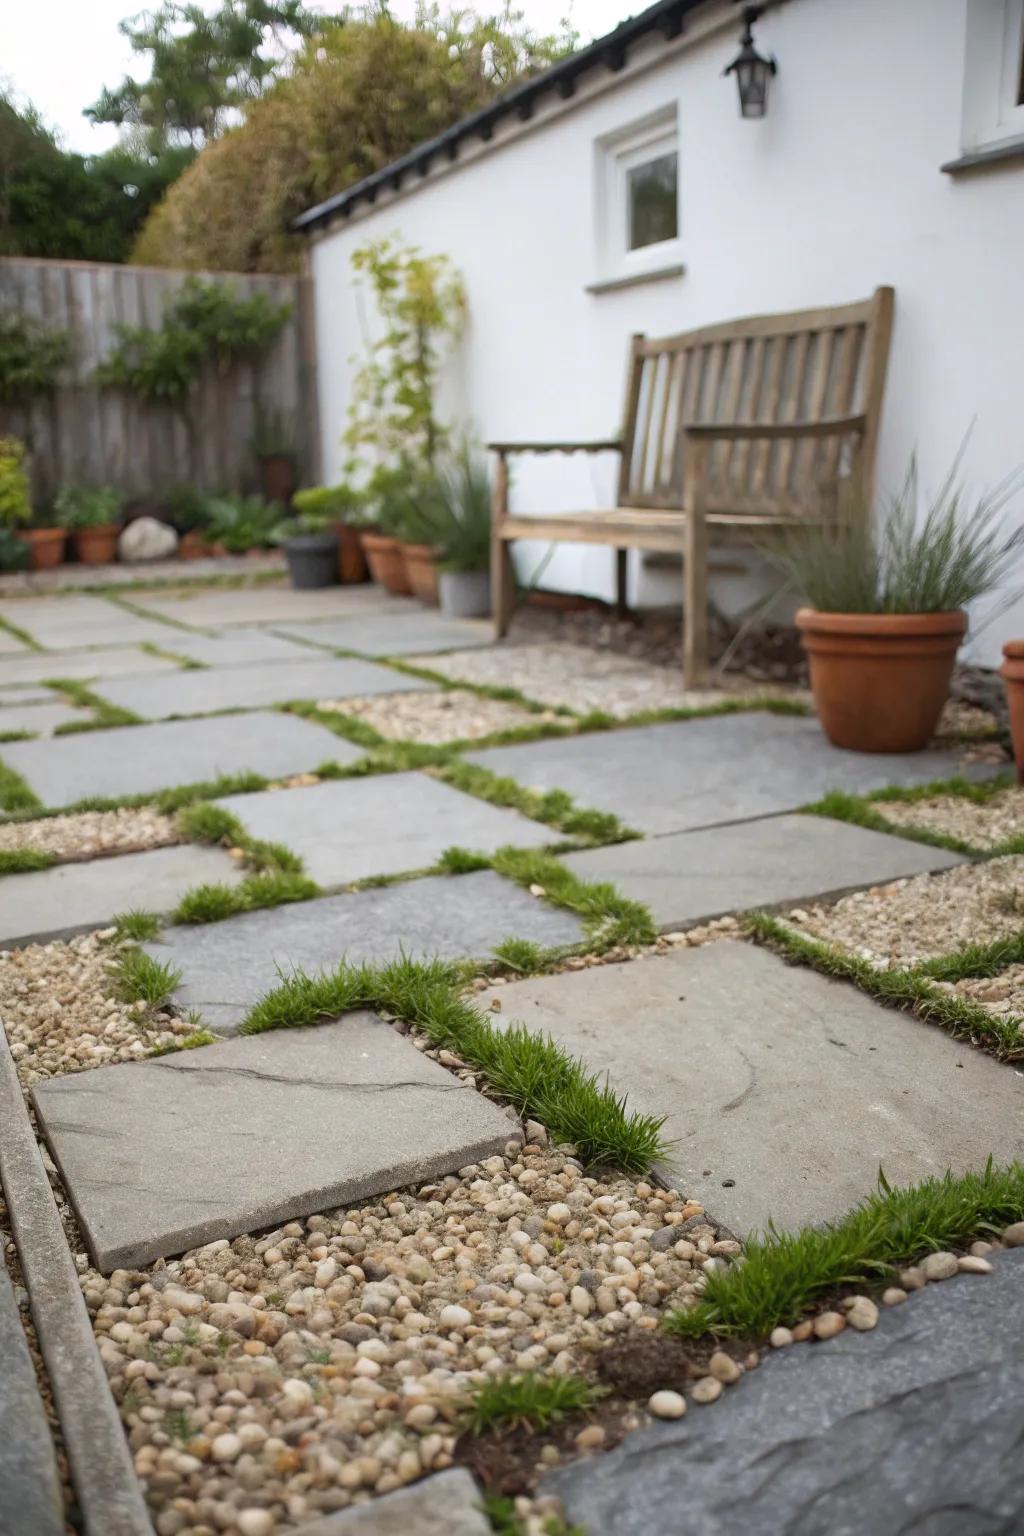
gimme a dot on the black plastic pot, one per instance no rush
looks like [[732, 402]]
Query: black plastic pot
[[312, 559]]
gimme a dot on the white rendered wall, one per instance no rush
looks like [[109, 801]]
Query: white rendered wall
[[837, 190]]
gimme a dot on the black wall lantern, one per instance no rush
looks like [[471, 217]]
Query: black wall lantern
[[752, 71]]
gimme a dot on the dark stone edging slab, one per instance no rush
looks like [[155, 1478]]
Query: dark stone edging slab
[[109, 1495], [29, 1484]]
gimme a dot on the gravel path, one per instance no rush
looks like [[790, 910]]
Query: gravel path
[[914, 920], [87, 833], [983, 825], [1002, 994], [436, 718]]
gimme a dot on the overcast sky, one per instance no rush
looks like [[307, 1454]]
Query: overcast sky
[[60, 55]]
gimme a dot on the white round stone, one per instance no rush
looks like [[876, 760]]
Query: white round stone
[[666, 1405]]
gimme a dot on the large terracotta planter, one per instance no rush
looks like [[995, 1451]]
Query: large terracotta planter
[[96, 545], [194, 546], [351, 560], [421, 570], [880, 679], [1012, 672], [46, 547], [387, 563]]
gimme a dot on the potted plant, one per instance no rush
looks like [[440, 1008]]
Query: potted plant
[[887, 609], [342, 508], [311, 549], [241, 524], [186, 511], [426, 524], [464, 551], [45, 542], [275, 445], [92, 517], [1012, 673], [385, 497]]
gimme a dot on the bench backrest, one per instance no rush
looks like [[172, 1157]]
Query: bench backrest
[[800, 367]]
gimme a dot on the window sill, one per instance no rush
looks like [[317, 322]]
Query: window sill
[[634, 279], [979, 159]]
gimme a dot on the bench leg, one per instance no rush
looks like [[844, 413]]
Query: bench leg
[[695, 602], [621, 573], [503, 585]]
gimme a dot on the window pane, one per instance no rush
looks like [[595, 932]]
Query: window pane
[[651, 191]]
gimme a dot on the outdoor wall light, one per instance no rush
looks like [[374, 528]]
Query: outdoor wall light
[[752, 71]]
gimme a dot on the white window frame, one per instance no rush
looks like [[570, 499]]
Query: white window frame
[[616, 155], [992, 116]]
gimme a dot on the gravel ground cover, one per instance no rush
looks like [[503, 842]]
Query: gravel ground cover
[[1002, 994], [85, 834], [436, 718], [982, 824], [909, 921]]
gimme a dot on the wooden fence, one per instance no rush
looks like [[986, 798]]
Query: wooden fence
[[84, 435]]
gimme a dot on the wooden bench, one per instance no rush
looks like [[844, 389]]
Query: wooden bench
[[731, 429]]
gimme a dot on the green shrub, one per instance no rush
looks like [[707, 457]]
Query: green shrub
[[331, 504], [31, 357], [241, 522], [15, 500], [14, 552], [80, 507]]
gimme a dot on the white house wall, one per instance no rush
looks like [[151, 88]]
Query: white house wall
[[837, 190]]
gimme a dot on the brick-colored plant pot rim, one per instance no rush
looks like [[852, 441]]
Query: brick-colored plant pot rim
[[881, 625], [1013, 650]]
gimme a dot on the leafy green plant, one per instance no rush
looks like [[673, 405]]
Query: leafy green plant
[[331, 504], [529, 1399], [229, 329], [81, 507], [907, 564], [241, 522], [15, 500], [32, 356], [187, 509], [14, 552], [159, 367]]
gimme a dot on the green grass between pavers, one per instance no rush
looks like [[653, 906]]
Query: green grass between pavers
[[784, 1274], [504, 1519], [204, 822], [141, 979], [526, 957], [609, 918], [186, 663], [18, 736], [212, 903], [23, 861], [15, 795], [975, 960], [532, 1072], [909, 989], [135, 924], [483, 690], [191, 579], [526, 1399], [104, 716], [23, 635], [192, 1042], [861, 811]]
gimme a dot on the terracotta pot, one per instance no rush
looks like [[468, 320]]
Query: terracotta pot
[[277, 477], [97, 545], [880, 679], [351, 560], [193, 546], [1012, 673], [46, 547], [421, 569], [387, 565]]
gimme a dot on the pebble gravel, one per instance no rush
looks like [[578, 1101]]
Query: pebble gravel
[[981, 824], [436, 718], [85, 834], [1001, 995]]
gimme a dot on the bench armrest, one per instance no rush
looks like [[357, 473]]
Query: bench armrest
[[738, 431], [607, 445]]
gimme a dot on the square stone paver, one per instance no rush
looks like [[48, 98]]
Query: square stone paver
[[72, 898], [228, 966], [687, 877], [163, 1155], [699, 773], [40, 719], [785, 1091], [37, 666], [211, 607], [239, 647], [70, 621], [388, 824], [275, 682], [409, 633], [11, 645], [140, 759]]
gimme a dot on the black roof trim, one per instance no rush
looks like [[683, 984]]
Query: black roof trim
[[610, 52]]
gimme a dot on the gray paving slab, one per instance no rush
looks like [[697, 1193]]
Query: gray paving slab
[[915, 1426], [700, 773], [19, 695], [389, 824], [447, 1504], [688, 877], [41, 719], [227, 966], [256, 1130], [785, 1091], [11, 645], [69, 621], [407, 633], [72, 898], [29, 1484], [139, 759], [275, 682], [212, 607], [37, 666], [238, 647]]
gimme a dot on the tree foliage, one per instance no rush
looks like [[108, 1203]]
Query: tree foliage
[[354, 99]]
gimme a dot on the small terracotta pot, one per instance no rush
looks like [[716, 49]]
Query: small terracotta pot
[[277, 477], [97, 545], [192, 546], [351, 560], [880, 679], [421, 569], [1012, 673], [386, 562], [46, 547]]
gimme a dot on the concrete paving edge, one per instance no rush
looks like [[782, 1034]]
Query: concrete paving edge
[[109, 1494]]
